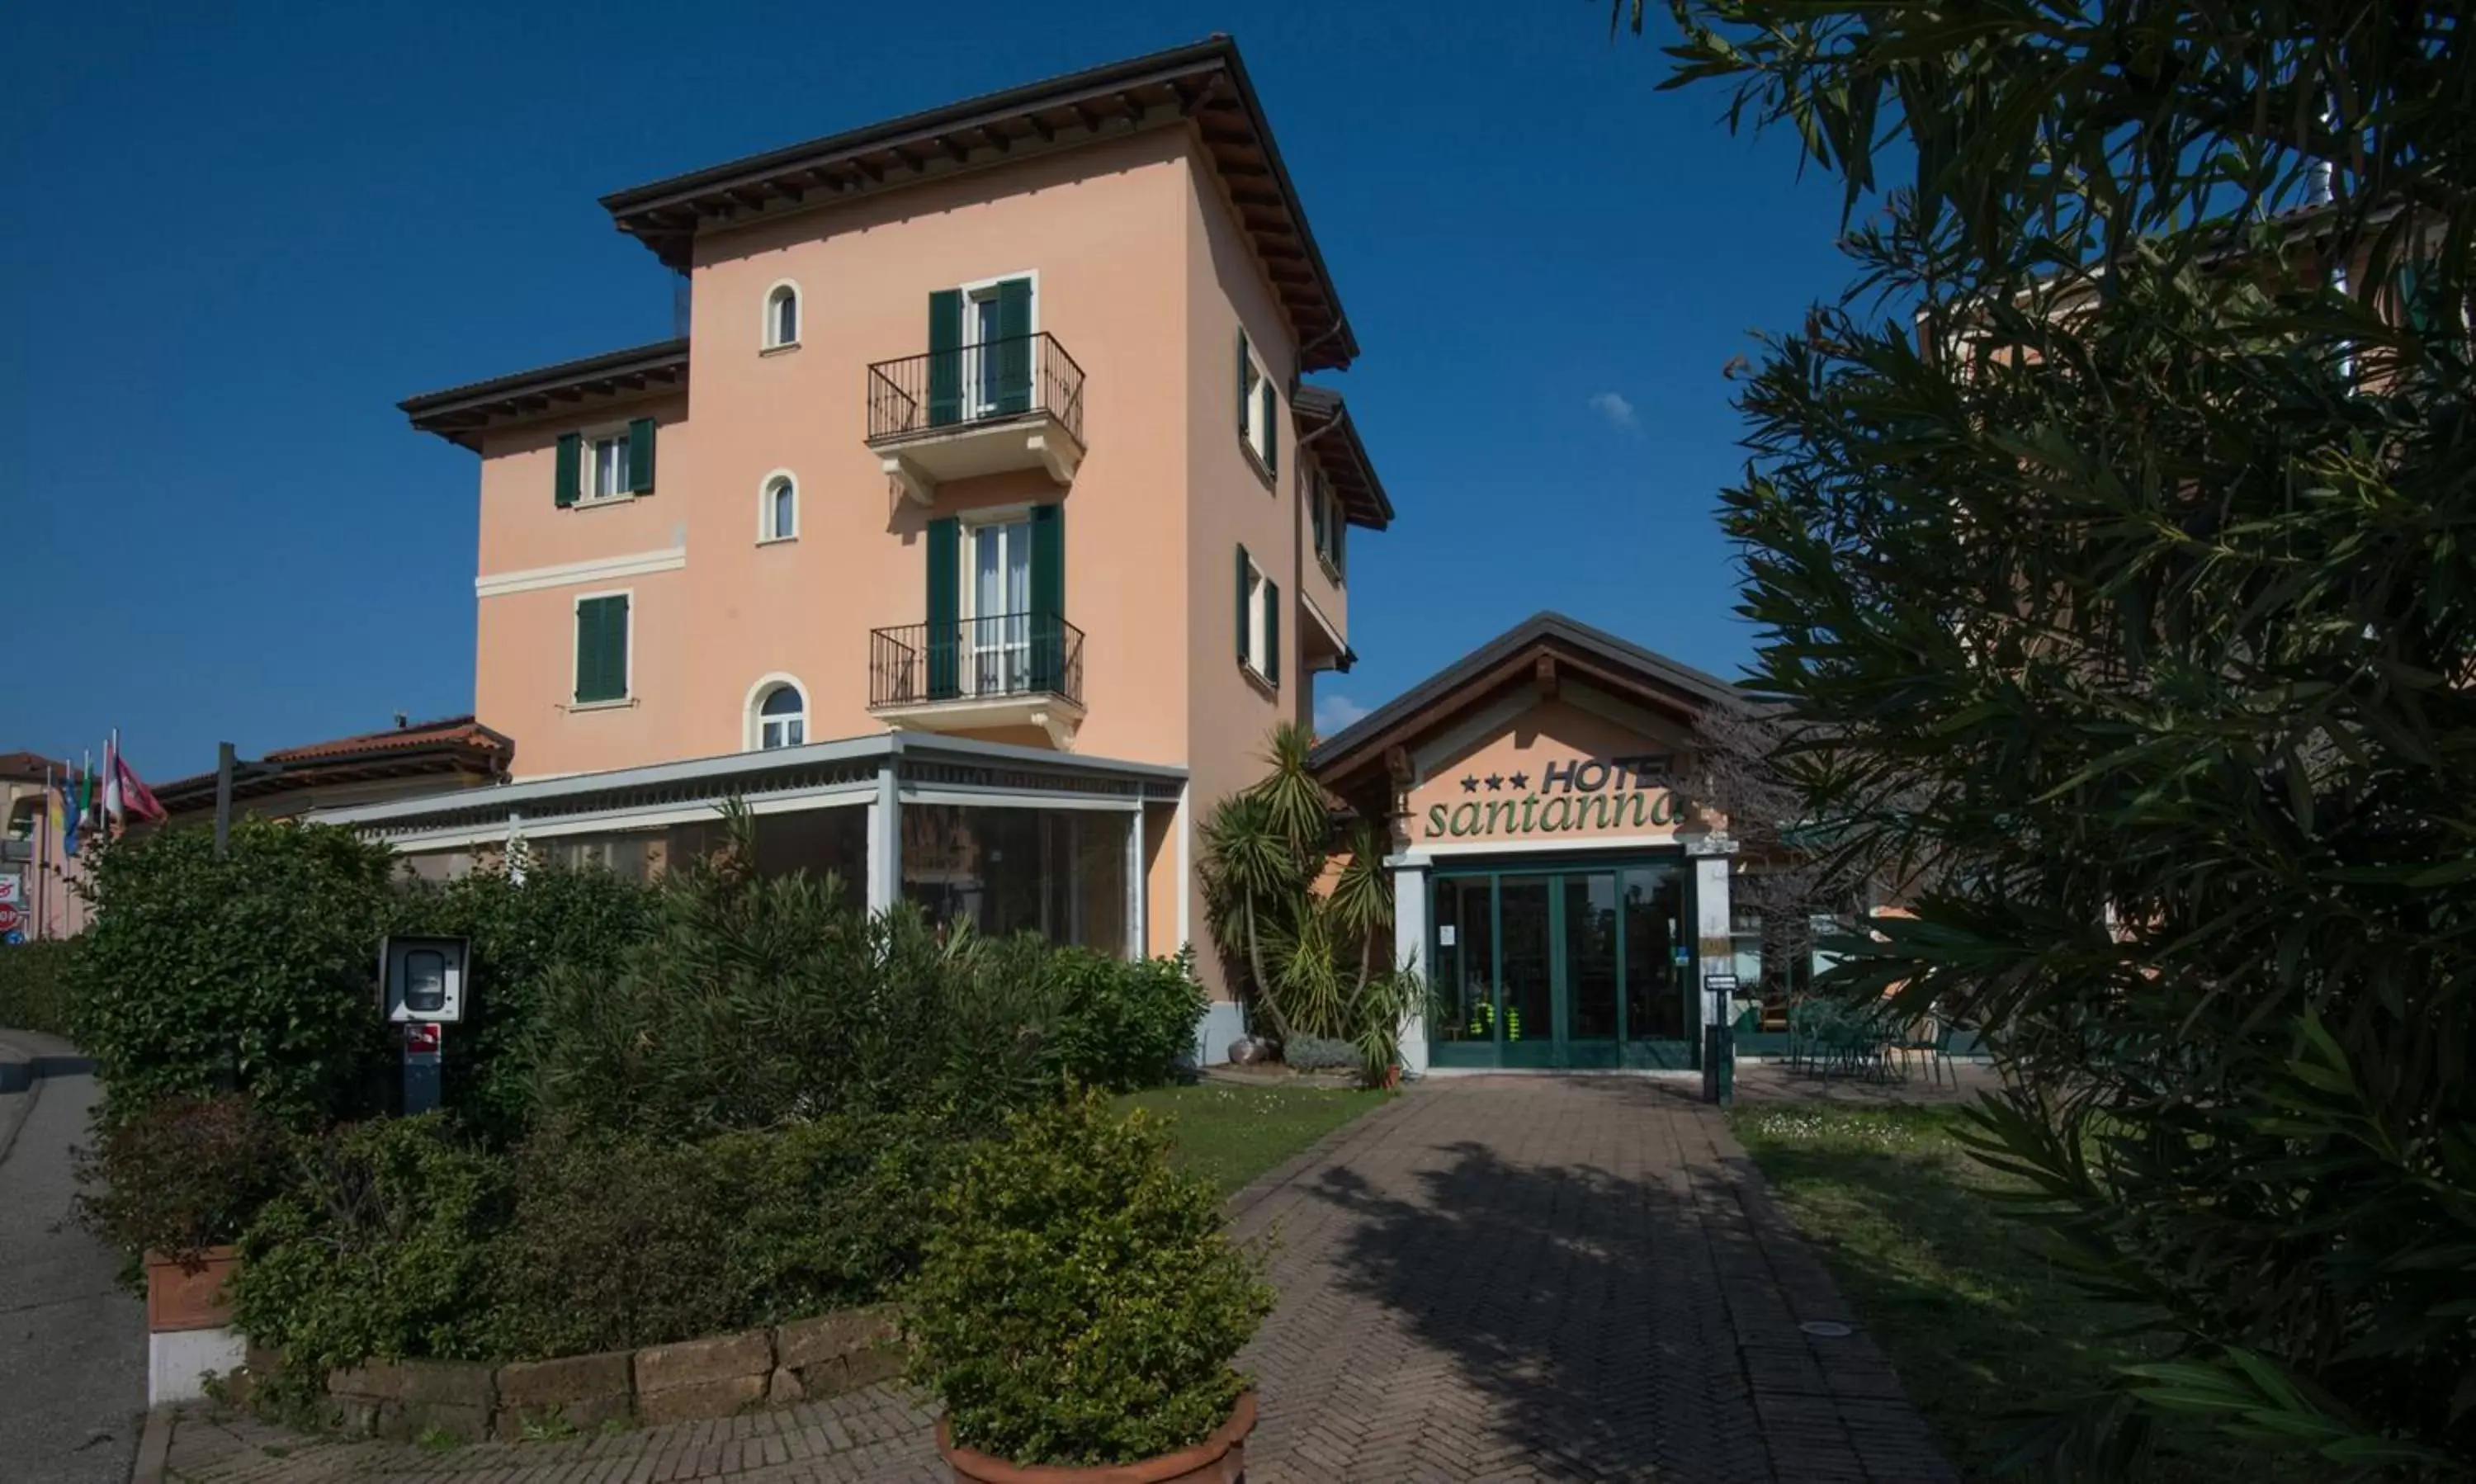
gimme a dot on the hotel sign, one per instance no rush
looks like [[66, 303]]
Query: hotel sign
[[1566, 795]]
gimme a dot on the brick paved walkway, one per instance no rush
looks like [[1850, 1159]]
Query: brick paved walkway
[[1492, 1279]]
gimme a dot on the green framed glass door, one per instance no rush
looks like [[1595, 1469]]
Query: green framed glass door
[[1560, 965]]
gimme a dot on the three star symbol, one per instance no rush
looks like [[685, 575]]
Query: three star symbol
[[1495, 782]]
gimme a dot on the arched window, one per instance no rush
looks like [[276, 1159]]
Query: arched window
[[782, 316], [782, 718], [779, 518]]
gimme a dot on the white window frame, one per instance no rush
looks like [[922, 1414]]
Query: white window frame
[[973, 293], [967, 588], [766, 534], [1257, 431], [1324, 501], [575, 652], [767, 335], [752, 732], [1256, 585], [591, 439]]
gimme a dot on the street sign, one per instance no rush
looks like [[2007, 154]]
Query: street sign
[[13, 938], [10, 919], [13, 891], [421, 1038]]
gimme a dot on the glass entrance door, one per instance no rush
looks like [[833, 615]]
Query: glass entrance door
[[1525, 907], [1562, 968]]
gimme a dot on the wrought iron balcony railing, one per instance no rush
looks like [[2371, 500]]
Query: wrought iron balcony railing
[[975, 659], [990, 382]]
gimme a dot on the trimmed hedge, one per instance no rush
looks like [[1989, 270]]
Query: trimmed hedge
[[252, 972], [34, 986], [1080, 1302], [402, 1240]]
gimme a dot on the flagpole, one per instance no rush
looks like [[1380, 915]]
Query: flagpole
[[43, 854]]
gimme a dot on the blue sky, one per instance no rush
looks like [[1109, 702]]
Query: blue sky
[[238, 238]]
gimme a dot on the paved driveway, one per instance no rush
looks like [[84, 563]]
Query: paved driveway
[[72, 1344], [1490, 1279]]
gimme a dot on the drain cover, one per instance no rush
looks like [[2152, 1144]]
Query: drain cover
[[1826, 1328]]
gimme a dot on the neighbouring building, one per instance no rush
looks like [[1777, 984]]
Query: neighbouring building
[[410, 759], [976, 534], [1555, 878], [38, 883]]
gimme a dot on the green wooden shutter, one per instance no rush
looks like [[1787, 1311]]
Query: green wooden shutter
[[1316, 513], [1245, 569], [602, 649], [569, 477], [1271, 429], [1273, 632], [1243, 361], [1014, 345], [640, 456], [945, 357], [945, 545], [1340, 540], [1049, 597]]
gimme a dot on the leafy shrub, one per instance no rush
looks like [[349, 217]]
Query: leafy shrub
[[253, 972], [34, 994], [1124, 1026], [1319, 1053], [182, 1175], [614, 1245], [582, 919], [751, 1002], [1079, 1303], [380, 1248]]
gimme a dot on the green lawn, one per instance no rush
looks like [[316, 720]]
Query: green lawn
[[1234, 1134], [1978, 1323]]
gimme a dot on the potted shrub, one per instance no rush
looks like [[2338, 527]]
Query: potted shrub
[[1078, 1306], [174, 1185]]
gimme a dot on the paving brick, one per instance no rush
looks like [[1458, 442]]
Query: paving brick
[[1504, 1279]]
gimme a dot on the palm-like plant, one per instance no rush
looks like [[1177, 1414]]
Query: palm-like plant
[[1265, 852], [1250, 869]]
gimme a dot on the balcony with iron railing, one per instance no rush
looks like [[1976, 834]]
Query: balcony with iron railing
[[980, 408], [978, 674]]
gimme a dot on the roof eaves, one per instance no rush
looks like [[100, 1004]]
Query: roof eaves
[[666, 215], [1327, 408], [1538, 628], [458, 412]]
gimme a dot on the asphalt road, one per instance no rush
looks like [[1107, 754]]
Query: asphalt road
[[72, 1343]]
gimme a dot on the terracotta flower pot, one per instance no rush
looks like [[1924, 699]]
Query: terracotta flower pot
[[1219, 1459], [189, 1297]]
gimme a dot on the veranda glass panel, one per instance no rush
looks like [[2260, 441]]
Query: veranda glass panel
[[1006, 871], [1655, 981]]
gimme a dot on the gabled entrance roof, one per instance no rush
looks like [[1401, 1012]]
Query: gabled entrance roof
[[1540, 652]]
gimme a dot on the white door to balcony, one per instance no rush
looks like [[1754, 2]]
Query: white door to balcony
[[996, 628], [982, 376]]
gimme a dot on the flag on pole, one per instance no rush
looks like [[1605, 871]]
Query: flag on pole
[[124, 792], [68, 813], [111, 809], [55, 805]]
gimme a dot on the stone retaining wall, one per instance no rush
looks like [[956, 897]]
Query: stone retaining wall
[[662, 1383]]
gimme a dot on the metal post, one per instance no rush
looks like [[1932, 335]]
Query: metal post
[[424, 1051], [223, 797]]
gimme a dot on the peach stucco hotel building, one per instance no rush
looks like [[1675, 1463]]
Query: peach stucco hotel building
[[976, 534]]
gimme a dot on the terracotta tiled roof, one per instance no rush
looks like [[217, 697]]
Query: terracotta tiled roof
[[452, 748], [453, 729], [28, 767]]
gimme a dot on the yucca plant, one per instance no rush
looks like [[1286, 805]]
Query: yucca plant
[[1307, 951]]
